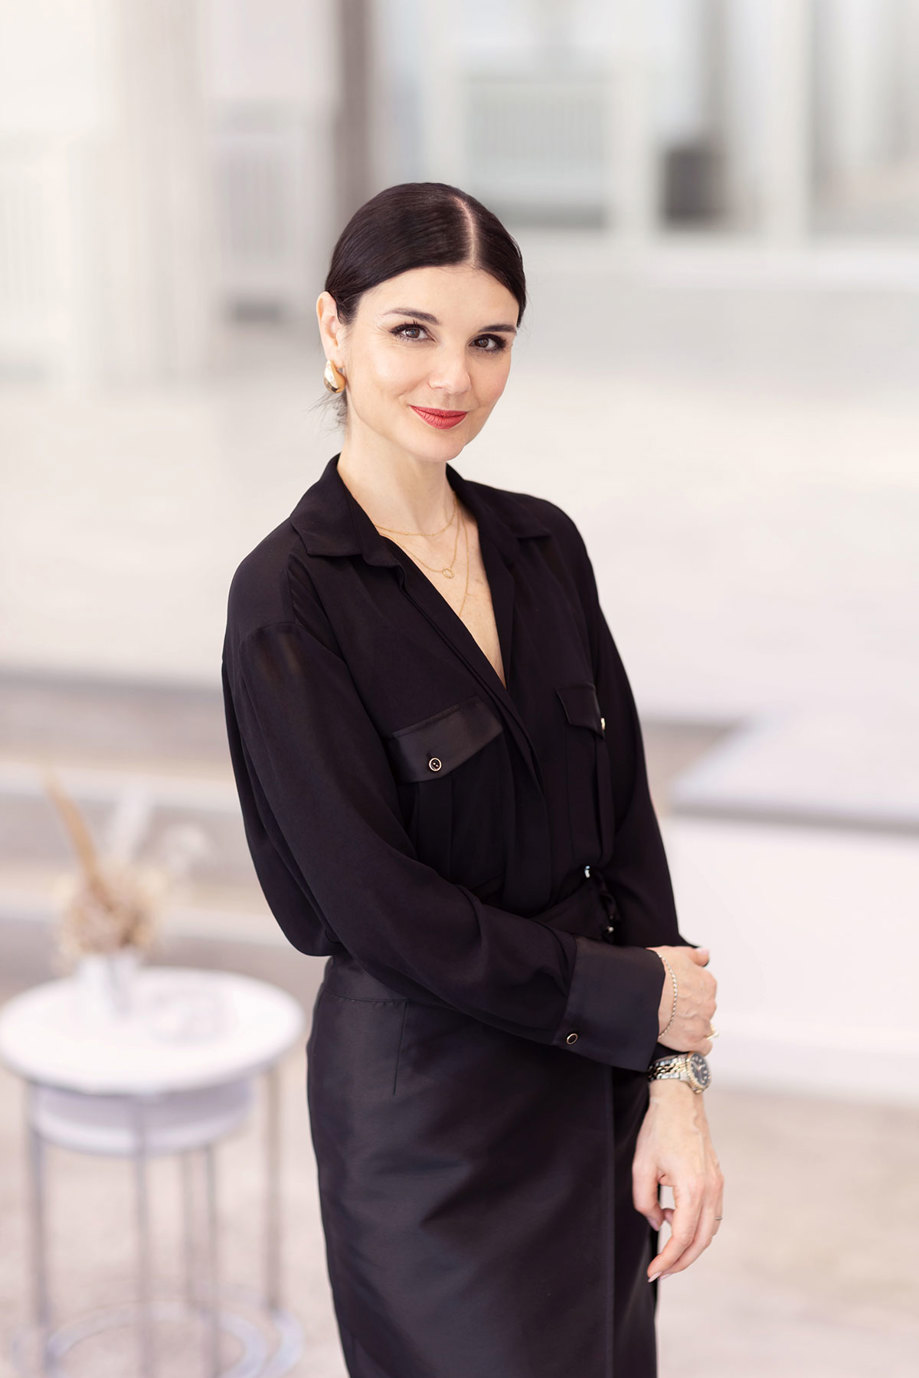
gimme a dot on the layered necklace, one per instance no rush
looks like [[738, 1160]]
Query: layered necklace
[[447, 571]]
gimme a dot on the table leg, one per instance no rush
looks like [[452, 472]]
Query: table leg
[[38, 1232], [145, 1328], [213, 1330], [187, 1213], [273, 1188]]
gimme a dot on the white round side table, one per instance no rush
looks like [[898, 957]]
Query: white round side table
[[175, 1074]]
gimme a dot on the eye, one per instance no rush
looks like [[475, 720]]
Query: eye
[[497, 340], [409, 325]]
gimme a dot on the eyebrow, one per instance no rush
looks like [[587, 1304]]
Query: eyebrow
[[432, 320]]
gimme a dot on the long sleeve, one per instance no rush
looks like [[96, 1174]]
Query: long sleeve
[[638, 875], [320, 803]]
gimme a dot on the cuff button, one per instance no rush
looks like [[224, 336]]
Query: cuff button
[[435, 763], [572, 1037]]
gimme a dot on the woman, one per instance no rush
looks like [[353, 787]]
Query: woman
[[444, 791]]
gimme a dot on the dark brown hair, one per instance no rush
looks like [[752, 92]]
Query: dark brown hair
[[419, 225]]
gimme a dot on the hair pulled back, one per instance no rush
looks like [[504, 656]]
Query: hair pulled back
[[418, 225]]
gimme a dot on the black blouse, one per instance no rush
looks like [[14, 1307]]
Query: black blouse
[[403, 805]]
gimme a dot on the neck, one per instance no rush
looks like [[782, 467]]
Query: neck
[[401, 491]]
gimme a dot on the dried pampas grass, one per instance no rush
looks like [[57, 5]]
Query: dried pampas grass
[[110, 904]]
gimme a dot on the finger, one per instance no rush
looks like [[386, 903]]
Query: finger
[[710, 1218], [683, 1225], [700, 955], [644, 1193], [704, 1234], [719, 1202], [682, 1235]]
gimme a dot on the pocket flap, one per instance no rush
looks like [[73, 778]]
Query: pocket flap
[[434, 746], [581, 705]]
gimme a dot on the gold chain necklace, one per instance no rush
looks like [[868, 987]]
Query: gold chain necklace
[[446, 570], [395, 530]]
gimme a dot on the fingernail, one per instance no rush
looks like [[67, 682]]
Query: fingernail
[[653, 1277]]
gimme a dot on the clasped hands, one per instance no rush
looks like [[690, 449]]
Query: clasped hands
[[674, 1147]]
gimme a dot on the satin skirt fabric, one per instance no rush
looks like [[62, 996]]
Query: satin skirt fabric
[[475, 1190]]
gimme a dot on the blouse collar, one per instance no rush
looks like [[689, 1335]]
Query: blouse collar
[[331, 521]]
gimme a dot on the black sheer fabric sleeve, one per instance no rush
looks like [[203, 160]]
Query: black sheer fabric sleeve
[[321, 813]]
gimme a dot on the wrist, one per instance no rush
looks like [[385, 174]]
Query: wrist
[[665, 1088], [676, 1101]]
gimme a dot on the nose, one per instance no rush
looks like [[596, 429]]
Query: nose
[[450, 373]]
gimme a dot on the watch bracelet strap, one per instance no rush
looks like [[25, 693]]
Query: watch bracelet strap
[[670, 1066], [675, 1068]]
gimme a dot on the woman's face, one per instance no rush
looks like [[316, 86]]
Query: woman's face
[[430, 338]]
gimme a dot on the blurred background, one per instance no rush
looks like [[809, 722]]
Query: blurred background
[[718, 207]]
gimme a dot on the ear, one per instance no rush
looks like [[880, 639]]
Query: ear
[[331, 331]]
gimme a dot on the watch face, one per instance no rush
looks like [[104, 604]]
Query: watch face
[[699, 1070]]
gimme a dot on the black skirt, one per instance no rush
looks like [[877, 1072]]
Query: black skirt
[[475, 1191]]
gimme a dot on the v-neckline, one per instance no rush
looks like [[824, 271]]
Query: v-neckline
[[501, 591], [456, 622], [380, 549], [498, 548], [504, 649], [454, 631]]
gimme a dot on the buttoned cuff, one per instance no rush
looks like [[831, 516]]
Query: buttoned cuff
[[612, 1014]]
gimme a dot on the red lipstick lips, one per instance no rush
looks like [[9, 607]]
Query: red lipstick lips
[[443, 420]]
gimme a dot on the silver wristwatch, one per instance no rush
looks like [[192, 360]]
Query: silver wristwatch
[[690, 1067]]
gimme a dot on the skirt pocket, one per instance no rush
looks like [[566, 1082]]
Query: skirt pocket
[[353, 1047]]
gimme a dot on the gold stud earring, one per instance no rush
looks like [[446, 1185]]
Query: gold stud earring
[[333, 379]]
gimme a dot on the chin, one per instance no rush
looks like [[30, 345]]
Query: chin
[[438, 444]]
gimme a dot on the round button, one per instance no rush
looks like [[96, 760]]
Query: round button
[[587, 869], [572, 1037], [435, 763]]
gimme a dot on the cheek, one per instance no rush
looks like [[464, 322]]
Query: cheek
[[395, 373], [494, 383], [386, 373]]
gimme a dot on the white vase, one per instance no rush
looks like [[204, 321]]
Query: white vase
[[106, 984]]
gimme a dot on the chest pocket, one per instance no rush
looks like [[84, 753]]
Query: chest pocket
[[590, 796], [451, 770]]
